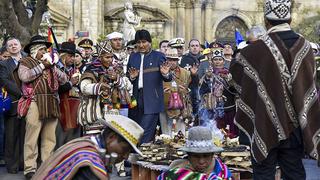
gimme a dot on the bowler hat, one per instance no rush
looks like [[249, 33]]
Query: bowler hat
[[200, 141], [68, 47], [37, 39]]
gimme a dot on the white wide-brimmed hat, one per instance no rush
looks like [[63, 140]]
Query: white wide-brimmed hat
[[200, 141], [127, 128]]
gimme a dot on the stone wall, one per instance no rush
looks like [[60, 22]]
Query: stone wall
[[168, 18]]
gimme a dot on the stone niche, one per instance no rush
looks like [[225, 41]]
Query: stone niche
[[156, 21]]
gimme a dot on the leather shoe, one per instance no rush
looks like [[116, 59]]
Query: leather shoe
[[29, 175]]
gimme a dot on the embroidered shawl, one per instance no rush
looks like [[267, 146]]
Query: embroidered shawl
[[278, 94]]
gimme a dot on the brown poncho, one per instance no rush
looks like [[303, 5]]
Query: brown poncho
[[278, 94], [46, 98]]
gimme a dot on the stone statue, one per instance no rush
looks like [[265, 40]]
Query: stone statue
[[131, 20]]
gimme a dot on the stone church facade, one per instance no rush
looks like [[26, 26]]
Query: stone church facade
[[202, 19]]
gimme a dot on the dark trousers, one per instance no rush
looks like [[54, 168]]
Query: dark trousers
[[62, 137], [1, 136], [147, 121], [14, 141], [195, 99], [288, 155]]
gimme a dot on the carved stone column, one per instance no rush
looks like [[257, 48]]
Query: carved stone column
[[173, 8], [208, 20], [180, 18], [188, 22], [197, 19]]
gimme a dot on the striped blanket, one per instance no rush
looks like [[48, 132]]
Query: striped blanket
[[68, 159], [220, 172]]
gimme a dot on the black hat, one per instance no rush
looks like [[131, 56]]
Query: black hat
[[131, 44], [142, 35], [216, 45], [68, 47], [86, 43], [37, 39]]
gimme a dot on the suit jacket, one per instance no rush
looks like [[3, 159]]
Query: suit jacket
[[7, 81], [152, 80]]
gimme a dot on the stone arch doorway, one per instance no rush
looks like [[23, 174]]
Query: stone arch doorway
[[226, 28]]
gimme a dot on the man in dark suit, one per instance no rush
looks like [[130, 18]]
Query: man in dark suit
[[147, 70], [14, 127]]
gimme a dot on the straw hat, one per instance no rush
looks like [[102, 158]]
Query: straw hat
[[200, 141], [127, 128]]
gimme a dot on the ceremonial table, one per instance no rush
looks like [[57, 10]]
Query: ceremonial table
[[142, 170]]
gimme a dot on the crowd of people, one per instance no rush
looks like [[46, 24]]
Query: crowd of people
[[70, 103]]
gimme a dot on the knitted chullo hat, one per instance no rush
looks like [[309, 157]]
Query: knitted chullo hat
[[278, 9], [216, 53]]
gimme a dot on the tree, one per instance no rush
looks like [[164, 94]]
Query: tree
[[15, 18], [309, 27]]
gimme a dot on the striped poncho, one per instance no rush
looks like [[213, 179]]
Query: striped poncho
[[70, 158], [220, 172]]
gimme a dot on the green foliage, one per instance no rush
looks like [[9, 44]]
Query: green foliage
[[309, 27], [156, 40], [101, 38], [155, 43]]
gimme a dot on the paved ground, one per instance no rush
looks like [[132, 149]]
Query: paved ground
[[313, 173]]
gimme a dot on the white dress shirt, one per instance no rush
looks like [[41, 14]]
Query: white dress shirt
[[140, 82]]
